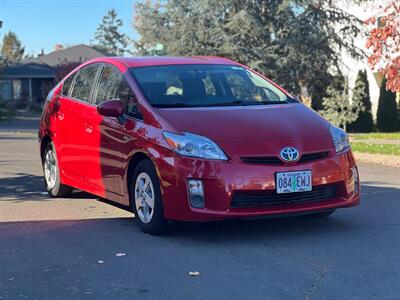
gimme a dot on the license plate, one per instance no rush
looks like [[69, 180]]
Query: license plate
[[293, 182]]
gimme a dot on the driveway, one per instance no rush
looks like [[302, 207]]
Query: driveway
[[81, 248]]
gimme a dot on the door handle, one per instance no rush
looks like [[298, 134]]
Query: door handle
[[88, 128], [60, 115]]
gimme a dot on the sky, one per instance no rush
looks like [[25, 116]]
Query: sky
[[41, 24]]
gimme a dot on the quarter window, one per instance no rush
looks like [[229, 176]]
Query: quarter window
[[67, 84], [84, 82], [109, 83]]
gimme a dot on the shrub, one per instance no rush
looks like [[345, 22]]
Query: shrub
[[387, 116], [364, 122]]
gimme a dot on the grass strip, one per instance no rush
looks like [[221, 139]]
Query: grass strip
[[376, 148], [376, 135]]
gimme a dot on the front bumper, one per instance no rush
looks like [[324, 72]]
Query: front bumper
[[224, 180]]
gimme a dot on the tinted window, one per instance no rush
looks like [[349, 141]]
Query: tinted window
[[83, 82], [206, 85], [67, 84], [113, 86]]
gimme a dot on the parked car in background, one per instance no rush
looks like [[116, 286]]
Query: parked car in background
[[192, 139]]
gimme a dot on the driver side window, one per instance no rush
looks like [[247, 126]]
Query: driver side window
[[113, 86]]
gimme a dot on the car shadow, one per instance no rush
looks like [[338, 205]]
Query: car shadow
[[24, 187], [376, 201]]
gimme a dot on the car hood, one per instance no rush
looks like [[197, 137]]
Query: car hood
[[249, 123]]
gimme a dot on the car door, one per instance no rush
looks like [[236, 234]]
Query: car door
[[109, 134], [63, 115], [73, 127]]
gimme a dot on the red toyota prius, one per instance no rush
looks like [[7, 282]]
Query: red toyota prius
[[192, 139]]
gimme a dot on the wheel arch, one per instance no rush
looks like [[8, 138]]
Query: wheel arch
[[44, 142], [133, 162]]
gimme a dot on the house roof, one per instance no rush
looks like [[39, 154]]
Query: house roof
[[79, 53], [44, 66], [32, 69]]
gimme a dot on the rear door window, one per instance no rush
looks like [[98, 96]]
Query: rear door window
[[84, 82]]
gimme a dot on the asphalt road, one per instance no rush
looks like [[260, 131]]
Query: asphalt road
[[80, 248]]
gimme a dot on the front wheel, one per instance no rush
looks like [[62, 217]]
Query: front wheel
[[51, 174], [146, 199]]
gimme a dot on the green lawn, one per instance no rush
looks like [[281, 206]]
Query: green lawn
[[376, 135], [376, 148]]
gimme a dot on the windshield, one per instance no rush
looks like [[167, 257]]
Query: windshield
[[205, 85]]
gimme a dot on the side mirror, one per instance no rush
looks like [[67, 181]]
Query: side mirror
[[111, 108]]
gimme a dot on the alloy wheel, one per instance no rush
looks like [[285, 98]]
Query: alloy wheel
[[50, 169], [144, 197]]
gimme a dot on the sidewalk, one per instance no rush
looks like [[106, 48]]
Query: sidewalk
[[378, 159], [23, 122]]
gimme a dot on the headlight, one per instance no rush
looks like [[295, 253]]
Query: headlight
[[340, 138], [194, 145]]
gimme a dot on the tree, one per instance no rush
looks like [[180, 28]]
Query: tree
[[12, 50], [295, 43], [64, 69], [108, 36], [2, 60], [364, 122], [387, 116], [384, 41], [336, 105]]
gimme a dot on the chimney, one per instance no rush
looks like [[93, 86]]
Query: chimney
[[41, 52], [58, 47]]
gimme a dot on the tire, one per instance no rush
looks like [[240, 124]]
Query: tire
[[324, 214], [51, 173], [146, 199]]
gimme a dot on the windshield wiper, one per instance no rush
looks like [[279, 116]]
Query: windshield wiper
[[232, 103], [174, 104], [225, 103], [274, 102]]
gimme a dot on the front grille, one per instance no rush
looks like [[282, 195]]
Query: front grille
[[262, 160], [267, 198], [313, 156], [307, 157]]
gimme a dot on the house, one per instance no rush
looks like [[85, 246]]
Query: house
[[32, 79]]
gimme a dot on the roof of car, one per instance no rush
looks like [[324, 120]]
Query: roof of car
[[165, 60]]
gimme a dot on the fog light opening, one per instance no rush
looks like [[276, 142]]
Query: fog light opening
[[196, 193], [356, 179]]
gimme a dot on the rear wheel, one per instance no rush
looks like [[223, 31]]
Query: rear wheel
[[146, 199], [51, 174]]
